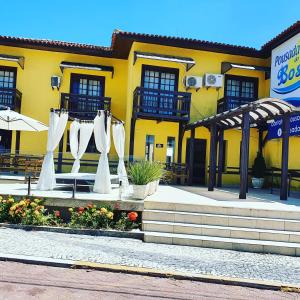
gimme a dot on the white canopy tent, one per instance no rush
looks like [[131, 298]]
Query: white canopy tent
[[80, 134], [57, 125], [119, 142], [102, 140]]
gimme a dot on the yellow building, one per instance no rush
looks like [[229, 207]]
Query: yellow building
[[156, 84]]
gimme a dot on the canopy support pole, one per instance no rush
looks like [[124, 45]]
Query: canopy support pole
[[60, 155], [179, 145], [212, 157], [244, 161], [220, 157], [191, 157], [131, 142], [285, 157]]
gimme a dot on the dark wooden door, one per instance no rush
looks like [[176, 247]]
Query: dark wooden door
[[199, 160]]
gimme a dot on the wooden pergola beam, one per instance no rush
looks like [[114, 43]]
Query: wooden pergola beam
[[285, 157], [212, 155], [244, 161]]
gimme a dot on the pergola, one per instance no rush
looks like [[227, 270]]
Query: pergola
[[254, 114]]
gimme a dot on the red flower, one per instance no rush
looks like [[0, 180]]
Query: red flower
[[57, 213], [80, 209], [117, 206], [132, 216]]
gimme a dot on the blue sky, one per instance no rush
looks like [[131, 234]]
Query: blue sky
[[241, 22]]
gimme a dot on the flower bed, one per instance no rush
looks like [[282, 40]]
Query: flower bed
[[32, 212]]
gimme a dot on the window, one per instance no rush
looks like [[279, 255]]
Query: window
[[240, 90], [91, 147], [91, 88], [7, 82], [158, 80], [149, 152], [170, 150]]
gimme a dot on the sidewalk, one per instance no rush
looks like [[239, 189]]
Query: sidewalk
[[283, 270]]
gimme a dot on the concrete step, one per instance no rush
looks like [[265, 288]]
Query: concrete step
[[222, 231], [221, 220], [224, 209], [292, 249]]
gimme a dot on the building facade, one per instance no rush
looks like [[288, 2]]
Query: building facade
[[143, 80]]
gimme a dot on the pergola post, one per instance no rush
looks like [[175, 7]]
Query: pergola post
[[244, 155], [285, 157], [179, 145], [191, 156], [212, 157], [132, 134], [220, 157]]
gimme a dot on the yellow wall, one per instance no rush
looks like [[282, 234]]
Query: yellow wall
[[38, 96]]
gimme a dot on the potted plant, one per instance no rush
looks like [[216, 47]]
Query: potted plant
[[144, 176], [258, 171]]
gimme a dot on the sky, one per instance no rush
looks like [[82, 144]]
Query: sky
[[240, 22]]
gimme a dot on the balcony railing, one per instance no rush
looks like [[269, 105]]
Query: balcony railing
[[84, 106], [228, 103], [161, 105], [11, 98]]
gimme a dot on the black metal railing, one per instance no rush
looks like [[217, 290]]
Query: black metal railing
[[84, 106], [228, 103], [11, 98], [160, 104]]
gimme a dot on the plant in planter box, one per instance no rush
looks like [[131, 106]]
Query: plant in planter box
[[258, 171], [141, 174], [127, 221]]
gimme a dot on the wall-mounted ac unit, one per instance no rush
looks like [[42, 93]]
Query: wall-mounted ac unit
[[194, 82], [55, 81], [213, 80]]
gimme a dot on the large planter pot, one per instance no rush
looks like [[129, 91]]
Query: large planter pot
[[140, 192], [152, 188], [257, 183]]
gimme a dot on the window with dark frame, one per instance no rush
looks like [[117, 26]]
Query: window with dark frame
[[170, 155], [149, 149], [159, 80], [7, 85]]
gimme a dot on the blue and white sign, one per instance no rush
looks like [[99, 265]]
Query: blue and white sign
[[275, 128], [285, 71]]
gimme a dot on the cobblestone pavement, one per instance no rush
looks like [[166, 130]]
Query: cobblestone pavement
[[136, 253], [27, 282]]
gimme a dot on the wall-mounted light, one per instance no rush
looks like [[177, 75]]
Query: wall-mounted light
[[55, 82]]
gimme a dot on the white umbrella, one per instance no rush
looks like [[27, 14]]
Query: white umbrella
[[11, 120]]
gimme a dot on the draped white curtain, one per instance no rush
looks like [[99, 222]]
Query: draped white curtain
[[102, 140], [57, 125], [78, 146], [119, 142]]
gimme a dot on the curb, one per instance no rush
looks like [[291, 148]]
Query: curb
[[93, 232], [64, 263]]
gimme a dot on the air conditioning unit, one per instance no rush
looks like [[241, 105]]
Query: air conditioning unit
[[213, 80], [55, 81], [194, 82]]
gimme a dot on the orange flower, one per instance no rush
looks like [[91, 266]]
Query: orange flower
[[90, 205], [57, 213], [132, 216], [80, 209]]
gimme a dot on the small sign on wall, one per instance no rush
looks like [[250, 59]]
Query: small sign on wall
[[159, 145]]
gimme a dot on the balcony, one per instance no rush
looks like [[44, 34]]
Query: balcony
[[231, 102], [84, 106], [11, 98], [161, 105]]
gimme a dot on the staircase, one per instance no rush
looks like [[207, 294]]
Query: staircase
[[222, 227]]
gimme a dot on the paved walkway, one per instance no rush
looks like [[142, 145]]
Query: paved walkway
[[130, 252], [19, 281]]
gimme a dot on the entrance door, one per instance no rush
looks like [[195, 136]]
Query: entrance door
[[199, 156]]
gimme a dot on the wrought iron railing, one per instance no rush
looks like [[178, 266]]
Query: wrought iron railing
[[11, 98], [160, 104], [84, 106], [228, 103]]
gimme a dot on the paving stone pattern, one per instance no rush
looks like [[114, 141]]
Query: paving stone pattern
[[136, 253]]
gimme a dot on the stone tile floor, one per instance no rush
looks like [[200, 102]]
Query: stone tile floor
[[132, 252]]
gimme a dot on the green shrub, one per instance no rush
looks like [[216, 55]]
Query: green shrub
[[92, 217], [127, 221], [259, 166], [143, 172]]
